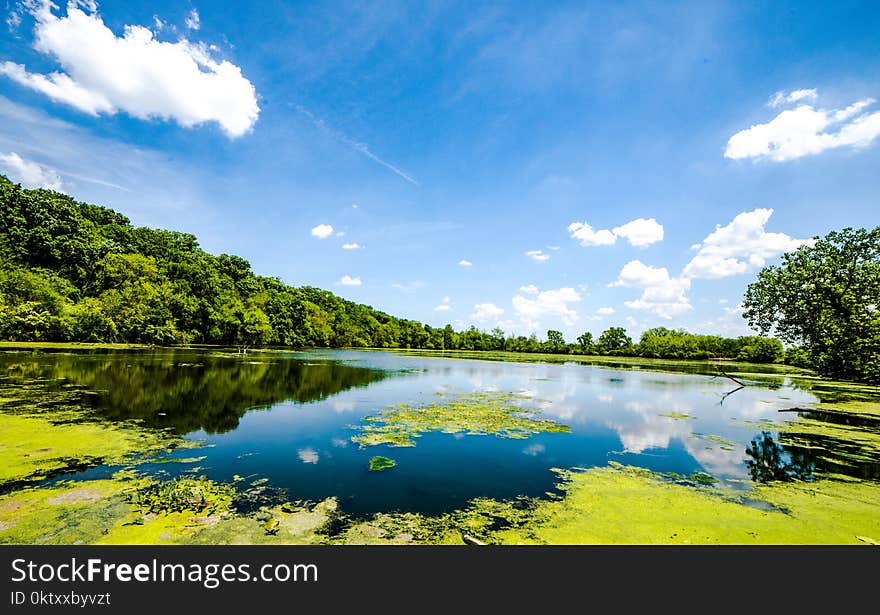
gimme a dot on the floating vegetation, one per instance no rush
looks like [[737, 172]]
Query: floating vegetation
[[196, 494], [723, 443], [38, 446], [379, 463], [678, 416], [476, 414]]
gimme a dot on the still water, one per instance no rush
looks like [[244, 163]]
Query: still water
[[289, 418]]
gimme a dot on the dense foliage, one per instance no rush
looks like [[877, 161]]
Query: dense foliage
[[71, 271], [825, 297]]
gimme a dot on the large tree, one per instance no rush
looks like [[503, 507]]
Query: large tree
[[613, 339], [825, 297]]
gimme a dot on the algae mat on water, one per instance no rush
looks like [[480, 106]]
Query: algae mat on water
[[499, 414]]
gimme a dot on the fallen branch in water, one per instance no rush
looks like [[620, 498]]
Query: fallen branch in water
[[726, 375]]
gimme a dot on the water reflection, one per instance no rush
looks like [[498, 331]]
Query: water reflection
[[187, 391], [769, 461], [666, 422]]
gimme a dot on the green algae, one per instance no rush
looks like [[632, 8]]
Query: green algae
[[379, 463], [627, 506], [679, 416], [723, 443], [35, 447], [474, 414], [179, 494]]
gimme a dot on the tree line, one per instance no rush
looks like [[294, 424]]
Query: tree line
[[72, 271]]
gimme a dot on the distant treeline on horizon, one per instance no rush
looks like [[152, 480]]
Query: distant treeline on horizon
[[76, 272]]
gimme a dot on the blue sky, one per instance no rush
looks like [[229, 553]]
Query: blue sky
[[596, 164]]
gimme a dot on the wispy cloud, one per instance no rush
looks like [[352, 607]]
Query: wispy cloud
[[538, 255], [356, 145]]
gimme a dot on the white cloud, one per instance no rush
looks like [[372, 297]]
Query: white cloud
[[806, 130], [552, 303], [308, 455], [193, 21], [352, 246], [640, 232], [584, 233], [322, 231], [29, 173], [781, 98], [538, 255], [740, 246], [486, 311], [135, 73], [444, 306], [662, 294], [605, 311], [464, 263], [530, 289], [13, 21], [347, 280]]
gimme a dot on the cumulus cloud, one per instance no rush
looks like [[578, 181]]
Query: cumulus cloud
[[584, 233], [806, 130], [352, 246], [347, 280], [134, 73], [464, 263], [538, 255], [444, 305], [486, 312], [322, 231], [739, 246], [531, 289], [639, 232], [662, 294], [605, 311], [28, 173], [552, 303]]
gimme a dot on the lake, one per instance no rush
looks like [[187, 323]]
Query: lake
[[290, 418]]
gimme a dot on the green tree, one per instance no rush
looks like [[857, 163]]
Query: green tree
[[755, 349], [614, 340], [825, 297], [585, 340], [555, 340]]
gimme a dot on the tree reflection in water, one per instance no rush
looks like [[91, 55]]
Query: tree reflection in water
[[183, 391], [769, 461]]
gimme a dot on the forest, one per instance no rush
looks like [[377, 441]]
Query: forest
[[76, 272]]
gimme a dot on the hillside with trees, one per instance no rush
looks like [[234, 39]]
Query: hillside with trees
[[71, 271]]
